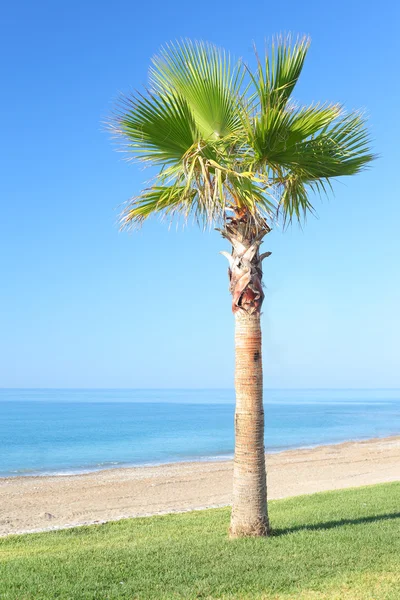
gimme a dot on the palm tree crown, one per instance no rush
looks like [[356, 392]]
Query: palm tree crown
[[228, 139]]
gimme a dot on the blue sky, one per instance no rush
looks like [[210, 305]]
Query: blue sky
[[83, 305]]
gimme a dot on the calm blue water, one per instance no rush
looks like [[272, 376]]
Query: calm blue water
[[60, 431]]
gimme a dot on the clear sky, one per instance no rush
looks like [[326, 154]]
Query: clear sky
[[82, 305]]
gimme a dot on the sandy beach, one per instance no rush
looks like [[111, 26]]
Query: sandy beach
[[29, 504]]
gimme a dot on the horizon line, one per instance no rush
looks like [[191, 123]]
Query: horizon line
[[195, 388]]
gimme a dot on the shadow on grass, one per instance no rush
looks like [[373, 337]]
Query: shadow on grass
[[334, 524]]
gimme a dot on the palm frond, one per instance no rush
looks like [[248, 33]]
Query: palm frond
[[155, 128], [275, 133], [340, 150], [308, 120], [204, 76], [164, 200], [276, 76], [267, 133], [294, 200]]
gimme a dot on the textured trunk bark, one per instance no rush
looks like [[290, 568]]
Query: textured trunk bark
[[249, 509]]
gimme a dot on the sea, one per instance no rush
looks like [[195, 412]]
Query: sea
[[75, 431]]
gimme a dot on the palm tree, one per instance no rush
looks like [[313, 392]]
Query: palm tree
[[232, 149]]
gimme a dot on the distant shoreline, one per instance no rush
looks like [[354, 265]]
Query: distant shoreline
[[103, 429], [41, 503], [206, 459]]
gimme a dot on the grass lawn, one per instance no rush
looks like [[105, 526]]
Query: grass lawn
[[335, 545]]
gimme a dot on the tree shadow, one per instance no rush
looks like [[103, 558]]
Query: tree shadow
[[333, 524]]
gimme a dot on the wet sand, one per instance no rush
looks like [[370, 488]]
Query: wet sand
[[29, 504]]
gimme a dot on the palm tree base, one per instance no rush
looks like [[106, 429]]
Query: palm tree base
[[259, 528]]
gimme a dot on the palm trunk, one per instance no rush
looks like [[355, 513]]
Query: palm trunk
[[249, 510]]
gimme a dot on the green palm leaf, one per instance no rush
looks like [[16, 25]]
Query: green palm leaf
[[203, 75], [158, 199], [276, 77], [157, 128], [342, 149], [276, 132], [231, 140]]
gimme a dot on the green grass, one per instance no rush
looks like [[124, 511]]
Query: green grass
[[335, 545]]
